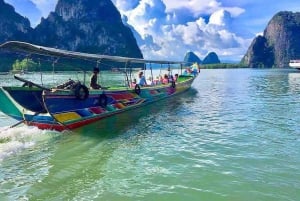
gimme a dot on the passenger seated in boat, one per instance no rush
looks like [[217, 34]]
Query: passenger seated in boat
[[176, 77], [151, 82], [165, 80], [156, 81], [142, 80], [187, 71], [133, 83], [194, 70], [94, 79]]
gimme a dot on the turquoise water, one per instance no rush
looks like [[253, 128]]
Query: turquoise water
[[233, 137]]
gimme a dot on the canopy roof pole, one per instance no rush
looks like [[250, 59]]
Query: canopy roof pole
[[151, 73], [160, 70], [100, 74], [145, 68], [127, 81], [41, 74], [169, 70], [180, 69], [130, 77], [53, 68]]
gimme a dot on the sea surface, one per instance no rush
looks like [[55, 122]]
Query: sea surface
[[234, 136]]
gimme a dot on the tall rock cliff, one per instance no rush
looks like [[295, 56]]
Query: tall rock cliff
[[211, 58], [279, 43], [191, 57], [12, 25], [92, 26]]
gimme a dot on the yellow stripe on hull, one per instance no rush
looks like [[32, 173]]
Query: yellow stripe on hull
[[63, 117]]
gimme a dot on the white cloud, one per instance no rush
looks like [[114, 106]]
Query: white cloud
[[146, 16], [178, 26], [197, 7], [45, 6], [220, 18], [125, 5], [167, 29]]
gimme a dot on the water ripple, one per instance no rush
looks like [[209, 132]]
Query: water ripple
[[234, 136]]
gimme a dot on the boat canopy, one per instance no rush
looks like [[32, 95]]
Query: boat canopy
[[48, 51]]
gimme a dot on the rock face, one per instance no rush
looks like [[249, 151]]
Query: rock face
[[91, 26], [12, 25], [211, 58], [279, 44], [191, 58]]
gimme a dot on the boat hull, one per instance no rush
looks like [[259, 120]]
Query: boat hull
[[68, 112], [30, 98], [295, 64], [69, 106], [8, 106], [62, 110]]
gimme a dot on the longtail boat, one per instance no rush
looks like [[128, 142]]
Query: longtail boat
[[72, 104], [295, 63]]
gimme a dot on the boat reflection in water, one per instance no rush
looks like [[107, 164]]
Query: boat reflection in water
[[294, 81]]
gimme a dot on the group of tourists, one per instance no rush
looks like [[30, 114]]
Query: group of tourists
[[141, 81], [165, 79]]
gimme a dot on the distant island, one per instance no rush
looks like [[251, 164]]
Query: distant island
[[211, 61], [279, 43]]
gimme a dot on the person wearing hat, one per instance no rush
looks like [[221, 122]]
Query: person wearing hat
[[94, 79]]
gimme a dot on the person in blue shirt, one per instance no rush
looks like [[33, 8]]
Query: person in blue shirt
[[142, 80]]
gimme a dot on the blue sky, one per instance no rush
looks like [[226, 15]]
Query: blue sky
[[167, 29]]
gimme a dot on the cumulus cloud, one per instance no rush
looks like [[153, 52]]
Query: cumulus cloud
[[45, 6], [146, 16], [125, 5], [220, 18], [195, 6], [168, 29]]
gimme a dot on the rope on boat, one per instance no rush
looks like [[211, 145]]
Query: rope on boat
[[12, 126], [17, 124]]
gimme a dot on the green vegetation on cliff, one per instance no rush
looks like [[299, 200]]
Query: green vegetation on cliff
[[223, 65]]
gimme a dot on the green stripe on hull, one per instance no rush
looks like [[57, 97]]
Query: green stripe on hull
[[8, 107]]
